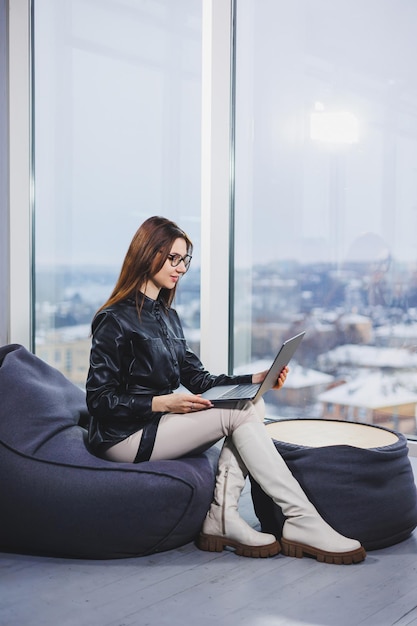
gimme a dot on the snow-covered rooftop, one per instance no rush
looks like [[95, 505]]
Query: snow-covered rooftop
[[371, 356], [372, 391], [398, 331]]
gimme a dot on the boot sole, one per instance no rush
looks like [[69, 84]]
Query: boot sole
[[214, 543], [299, 550]]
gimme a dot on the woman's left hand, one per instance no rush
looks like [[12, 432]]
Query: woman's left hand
[[259, 378]]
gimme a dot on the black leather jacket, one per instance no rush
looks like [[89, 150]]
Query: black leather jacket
[[133, 359]]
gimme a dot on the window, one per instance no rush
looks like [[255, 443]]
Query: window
[[324, 188], [117, 116], [326, 193]]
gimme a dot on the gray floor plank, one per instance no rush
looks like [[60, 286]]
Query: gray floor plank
[[186, 586], [401, 611]]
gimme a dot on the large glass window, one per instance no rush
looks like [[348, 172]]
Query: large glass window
[[326, 204], [117, 116]]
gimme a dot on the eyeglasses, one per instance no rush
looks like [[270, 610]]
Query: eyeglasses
[[175, 260]]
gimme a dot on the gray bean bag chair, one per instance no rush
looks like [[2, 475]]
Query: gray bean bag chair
[[367, 494], [58, 499]]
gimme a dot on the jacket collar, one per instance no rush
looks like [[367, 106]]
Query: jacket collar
[[150, 305]]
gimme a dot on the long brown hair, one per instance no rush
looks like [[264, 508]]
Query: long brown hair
[[145, 256]]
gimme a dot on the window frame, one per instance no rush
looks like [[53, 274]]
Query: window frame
[[19, 328]]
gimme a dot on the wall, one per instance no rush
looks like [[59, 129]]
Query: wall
[[4, 187]]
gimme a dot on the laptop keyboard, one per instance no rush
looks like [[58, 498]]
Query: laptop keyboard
[[244, 391]]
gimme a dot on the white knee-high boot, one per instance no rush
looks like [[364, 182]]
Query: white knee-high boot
[[223, 525], [304, 532]]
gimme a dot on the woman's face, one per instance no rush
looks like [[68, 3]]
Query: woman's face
[[168, 276]]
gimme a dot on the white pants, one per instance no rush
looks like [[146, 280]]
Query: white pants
[[183, 433]]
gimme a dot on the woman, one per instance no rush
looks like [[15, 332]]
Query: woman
[[139, 357]]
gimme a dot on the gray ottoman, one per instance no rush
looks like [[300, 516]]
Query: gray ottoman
[[359, 478]]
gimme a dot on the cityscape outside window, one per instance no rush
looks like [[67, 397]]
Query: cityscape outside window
[[117, 117], [326, 205], [324, 185]]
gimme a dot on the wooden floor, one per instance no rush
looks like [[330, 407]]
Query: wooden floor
[[190, 587]]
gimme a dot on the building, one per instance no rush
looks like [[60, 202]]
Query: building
[[373, 398], [303, 386]]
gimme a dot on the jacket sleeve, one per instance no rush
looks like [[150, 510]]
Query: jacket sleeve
[[195, 378], [106, 390]]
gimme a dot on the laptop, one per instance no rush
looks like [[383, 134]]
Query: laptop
[[231, 393]]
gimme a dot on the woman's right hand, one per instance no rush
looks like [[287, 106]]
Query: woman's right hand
[[180, 403]]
